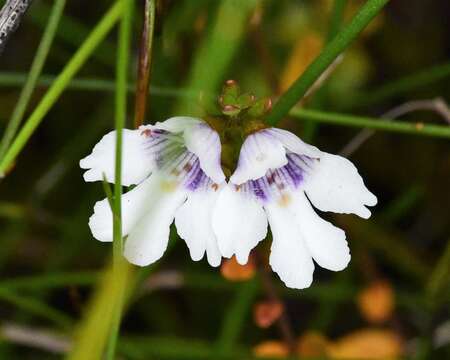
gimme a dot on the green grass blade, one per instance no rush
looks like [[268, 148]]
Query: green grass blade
[[236, 317], [52, 95], [372, 123], [217, 50], [14, 79], [35, 307], [123, 51], [35, 71], [334, 48]]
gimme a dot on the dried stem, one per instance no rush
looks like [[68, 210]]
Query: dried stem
[[283, 322], [36, 338], [321, 80], [437, 105], [145, 62]]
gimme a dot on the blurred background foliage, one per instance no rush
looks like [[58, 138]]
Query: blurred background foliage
[[393, 299]]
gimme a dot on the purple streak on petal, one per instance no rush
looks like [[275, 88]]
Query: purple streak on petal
[[295, 174], [195, 176], [258, 188]]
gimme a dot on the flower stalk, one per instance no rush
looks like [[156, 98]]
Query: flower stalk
[[144, 63]]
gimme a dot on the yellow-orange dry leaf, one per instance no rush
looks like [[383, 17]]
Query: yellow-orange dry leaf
[[305, 50], [233, 271], [312, 343], [376, 302], [367, 344], [271, 348], [265, 313]]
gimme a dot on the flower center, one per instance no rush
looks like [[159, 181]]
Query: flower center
[[237, 116]]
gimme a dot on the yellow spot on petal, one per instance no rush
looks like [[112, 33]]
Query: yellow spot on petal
[[285, 200], [168, 185]]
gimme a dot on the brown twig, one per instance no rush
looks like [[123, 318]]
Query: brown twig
[[144, 63], [437, 105], [283, 322]]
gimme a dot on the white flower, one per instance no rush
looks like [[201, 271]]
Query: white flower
[[276, 178], [176, 167]]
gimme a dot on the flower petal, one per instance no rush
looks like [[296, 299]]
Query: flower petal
[[293, 143], [259, 153], [335, 185], [177, 124], [289, 256], [148, 239], [134, 204], [193, 222], [239, 223], [204, 142], [325, 241], [136, 163]]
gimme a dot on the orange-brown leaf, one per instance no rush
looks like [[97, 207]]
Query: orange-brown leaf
[[233, 271], [265, 313], [367, 344], [271, 348], [376, 302]]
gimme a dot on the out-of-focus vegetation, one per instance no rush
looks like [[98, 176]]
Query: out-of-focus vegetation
[[392, 301]]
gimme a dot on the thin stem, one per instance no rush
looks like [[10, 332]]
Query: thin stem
[[235, 318], [91, 84], [437, 105], [438, 281], [145, 63], [72, 33], [213, 56], [35, 338], [334, 48], [35, 307], [35, 71], [337, 18], [47, 281], [403, 85], [120, 120], [283, 321], [53, 93], [417, 128], [262, 50]]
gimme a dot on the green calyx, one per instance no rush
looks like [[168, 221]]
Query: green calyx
[[236, 116], [246, 106]]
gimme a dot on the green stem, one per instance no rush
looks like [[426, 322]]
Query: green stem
[[53, 93], [35, 71], [236, 317], [216, 51], [402, 85], [372, 123], [72, 33], [123, 51], [91, 84], [52, 280], [36, 307], [337, 18], [438, 283], [334, 48]]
